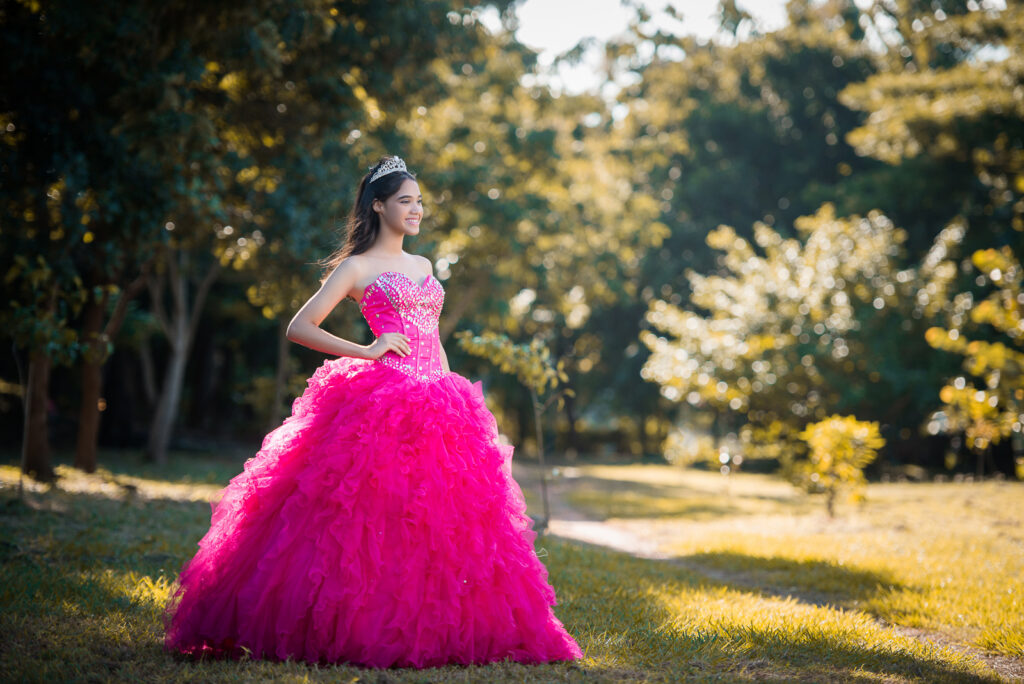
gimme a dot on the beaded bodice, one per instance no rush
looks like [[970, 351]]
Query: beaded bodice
[[394, 302]]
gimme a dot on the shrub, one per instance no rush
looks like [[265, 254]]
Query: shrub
[[840, 448]]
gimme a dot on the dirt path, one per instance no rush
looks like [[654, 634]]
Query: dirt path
[[648, 538]]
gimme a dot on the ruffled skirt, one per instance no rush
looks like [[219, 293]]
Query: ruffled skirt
[[379, 525]]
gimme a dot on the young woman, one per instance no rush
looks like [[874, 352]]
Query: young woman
[[379, 524]]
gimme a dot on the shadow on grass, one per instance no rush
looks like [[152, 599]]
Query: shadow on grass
[[617, 602], [756, 655], [815, 582]]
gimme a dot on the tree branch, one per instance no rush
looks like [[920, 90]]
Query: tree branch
[[179, 294], [204, 288], [127, 295], [155, 282]]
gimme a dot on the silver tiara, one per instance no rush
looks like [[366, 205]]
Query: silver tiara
[[390, 165]]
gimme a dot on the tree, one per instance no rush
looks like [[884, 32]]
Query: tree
[[163, 134], [533, 367], [992, 409], [736, 131], [840, 448], [789, 335], [68, 193], [530, 214], [956, 100], [42, 305], [755, 129]]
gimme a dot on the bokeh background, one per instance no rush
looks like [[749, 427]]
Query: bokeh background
[[726, 223]]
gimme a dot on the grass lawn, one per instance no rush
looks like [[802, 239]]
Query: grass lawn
[[944, 558], [86, 566]]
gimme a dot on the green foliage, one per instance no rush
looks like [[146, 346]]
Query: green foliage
[[533, 220], [263, 389], [82, 192], [278, 297], [235, 135], [840, 448], [39, 310], [183, 141], [763, 129], [958, 99], [788, 334], [526, 197], [531, 363], [753, 131], [993, 409]]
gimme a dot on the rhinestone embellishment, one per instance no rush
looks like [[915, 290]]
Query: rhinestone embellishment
[[395, 302], [418, 303], [430, 376], [390, 165]]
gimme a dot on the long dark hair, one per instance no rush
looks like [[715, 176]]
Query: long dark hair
[[363, 222]]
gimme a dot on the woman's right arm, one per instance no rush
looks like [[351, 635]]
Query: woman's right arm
[[305, 327]]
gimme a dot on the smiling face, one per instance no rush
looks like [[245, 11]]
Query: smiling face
[[402, 211]]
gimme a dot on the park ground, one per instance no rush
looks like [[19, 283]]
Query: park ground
[[662, 574]]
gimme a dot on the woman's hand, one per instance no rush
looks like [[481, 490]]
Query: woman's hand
[[392, 341]]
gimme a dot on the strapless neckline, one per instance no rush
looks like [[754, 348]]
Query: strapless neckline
[[408, 277]]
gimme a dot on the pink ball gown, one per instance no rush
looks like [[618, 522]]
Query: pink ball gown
[[379, 525]]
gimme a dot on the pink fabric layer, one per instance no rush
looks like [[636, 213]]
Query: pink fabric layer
[[378, 525]]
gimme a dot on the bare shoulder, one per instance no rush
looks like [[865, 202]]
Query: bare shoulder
[[338, 284], [347, 273], [424, 263]]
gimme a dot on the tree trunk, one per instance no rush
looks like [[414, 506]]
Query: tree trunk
[[92, 386], [541, 526], [523, 418], [281, 376], [35, 443], [97, 335], [572, 435], [180, 329], [89, 416], [167, 405], [148, 373]]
